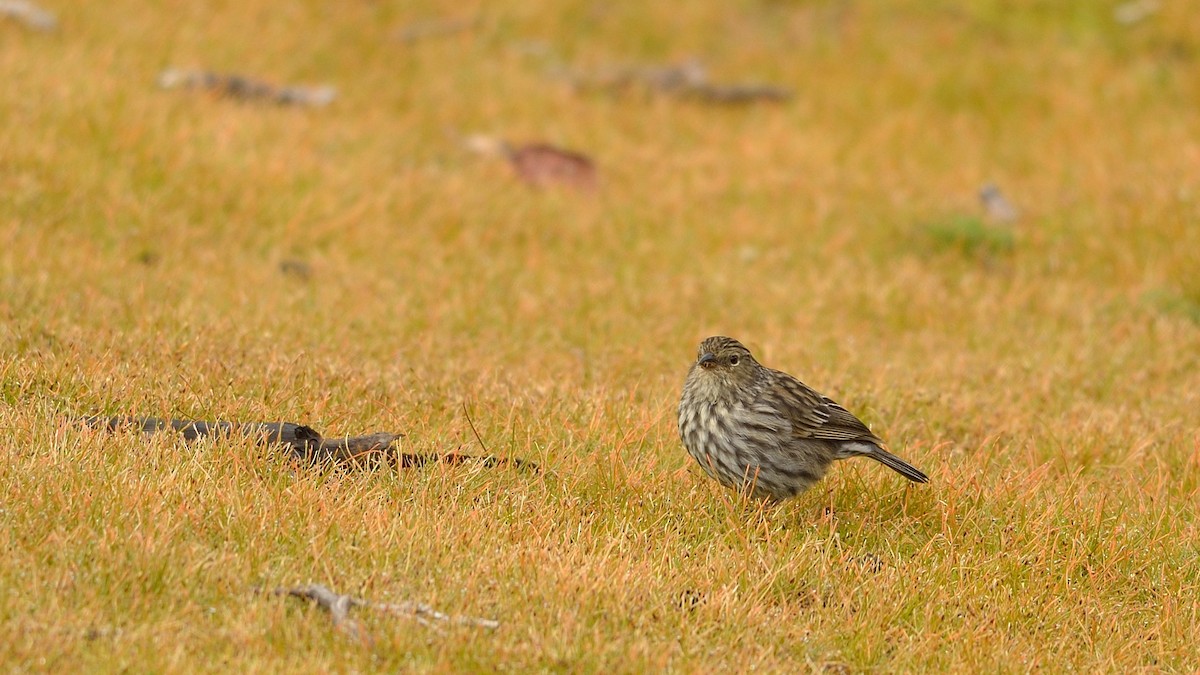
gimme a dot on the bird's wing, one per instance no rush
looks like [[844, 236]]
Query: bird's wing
[[813, 415]]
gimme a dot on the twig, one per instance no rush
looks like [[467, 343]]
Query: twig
[[245, 88], [688, 79], [428, 28], [305, 443], [420, 610], [733, 94], [339, 607]]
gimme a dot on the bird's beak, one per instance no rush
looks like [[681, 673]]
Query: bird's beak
[[706, 360]]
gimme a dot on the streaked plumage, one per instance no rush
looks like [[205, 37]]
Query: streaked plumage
[[753, 427]]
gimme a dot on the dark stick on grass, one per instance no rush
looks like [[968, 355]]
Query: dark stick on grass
[[734, 94], [247, 88], [688, 80], [305, 443]]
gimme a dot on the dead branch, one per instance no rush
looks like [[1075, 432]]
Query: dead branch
[[441, 27], [688, 79], [246, 88], [338, 606], [305, 443], [425, 614], [740, 93]]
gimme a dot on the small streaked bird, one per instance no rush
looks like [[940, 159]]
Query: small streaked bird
[[761, 430]]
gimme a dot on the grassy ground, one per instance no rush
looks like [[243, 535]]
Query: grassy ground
[[1047, 377]]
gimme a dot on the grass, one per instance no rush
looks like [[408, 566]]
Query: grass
[[1050, 392], [1171, 302], [970, 235]]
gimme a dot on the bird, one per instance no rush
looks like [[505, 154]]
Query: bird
[[764, 432]]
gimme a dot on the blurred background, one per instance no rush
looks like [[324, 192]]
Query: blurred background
[[835, 223]]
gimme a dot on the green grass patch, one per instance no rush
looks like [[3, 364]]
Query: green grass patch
[[969, 236], [1174, 303]]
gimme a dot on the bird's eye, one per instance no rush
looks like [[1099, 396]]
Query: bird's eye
[[733, 360]]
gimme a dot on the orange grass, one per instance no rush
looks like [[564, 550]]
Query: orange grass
[[1050, 388]]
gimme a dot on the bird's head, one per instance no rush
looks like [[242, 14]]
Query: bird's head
[[724, 362]]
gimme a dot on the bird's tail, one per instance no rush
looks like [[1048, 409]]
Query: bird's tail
[[887, 459], [899, 466]]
